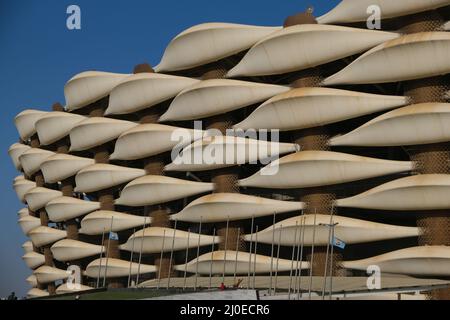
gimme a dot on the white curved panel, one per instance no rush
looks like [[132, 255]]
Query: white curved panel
[[36, 293], [219, 207], [411, 125], [420, 192], [320, 168], [62, 166], [33, 259], [89, 86], [21, 187], [27, 246], [297, 230], [218, 261], [56, 125], [98, 222], [150, 139], [38, 197], [28, 223], [406, 58], [154, 189], [68, 250], [32, 280], [151, 240], [312, 107], [66, 208], [15, 151], [96, 131], [226, 151], [418, 261], [25, 122], [217, 96], [46, 274], [44, 235], [356, 10], [116, 268], [32, 159], [101, 176], [447, 26], [24, 212], [65, 288], [209, 42], [285, 50], [143, 90]]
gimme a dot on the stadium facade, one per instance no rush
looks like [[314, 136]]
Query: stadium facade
[[358, 122]]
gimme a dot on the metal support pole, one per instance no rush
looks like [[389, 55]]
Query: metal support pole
[[171, 254], [271, 253], [131, 259], [198, 253], [312, 255], [140, 252], [250, 254], [100, 259], [186, 259], [161, 258], [212, 255], [292, 260]]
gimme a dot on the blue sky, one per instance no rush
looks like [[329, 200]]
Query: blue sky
[[38, 54]]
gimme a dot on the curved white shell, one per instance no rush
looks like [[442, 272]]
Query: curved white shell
[[27, 246], [420, 192], [96, 131], [15, 151], [65, 288], [312, 107], [209, 42], [320, 168], [101, 176], [154, 189], [447, 26], [217, 96], [285, 50], [33, 259], [226, 151], [25, 122], [356, 10], [44, 235], [66, 208], [24, 212], [144, 90], [218, 261], [150, 240], [68, 250], [347, 229], [116, 268], [32, 280], [62, 166], [36, 293], [420, 261], [56, 125], [219, 207], [38, 197], [46, 274], [21, 187], [151, 139], [406, 58], [28, 223], [89, 86], [411, 125], [98, 222], [32, 159]]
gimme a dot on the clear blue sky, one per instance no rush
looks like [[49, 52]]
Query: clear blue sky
[[38, 54]]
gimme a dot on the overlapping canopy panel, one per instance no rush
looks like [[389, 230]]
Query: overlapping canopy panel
[[144, 152]]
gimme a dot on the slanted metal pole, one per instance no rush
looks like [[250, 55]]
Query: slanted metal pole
[[186, 259], [212, 255], [300, 293], [278, 260], [131, 259], [254, 258], [297, 259], [271, 253], [225, 252], [331, 264], [100, 259], [326, 261], [107, 251], [171, 254], [250, 254], [312, 255], [198, 253], [140, 251], [292, 260], [160, 258], [236, 258]]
